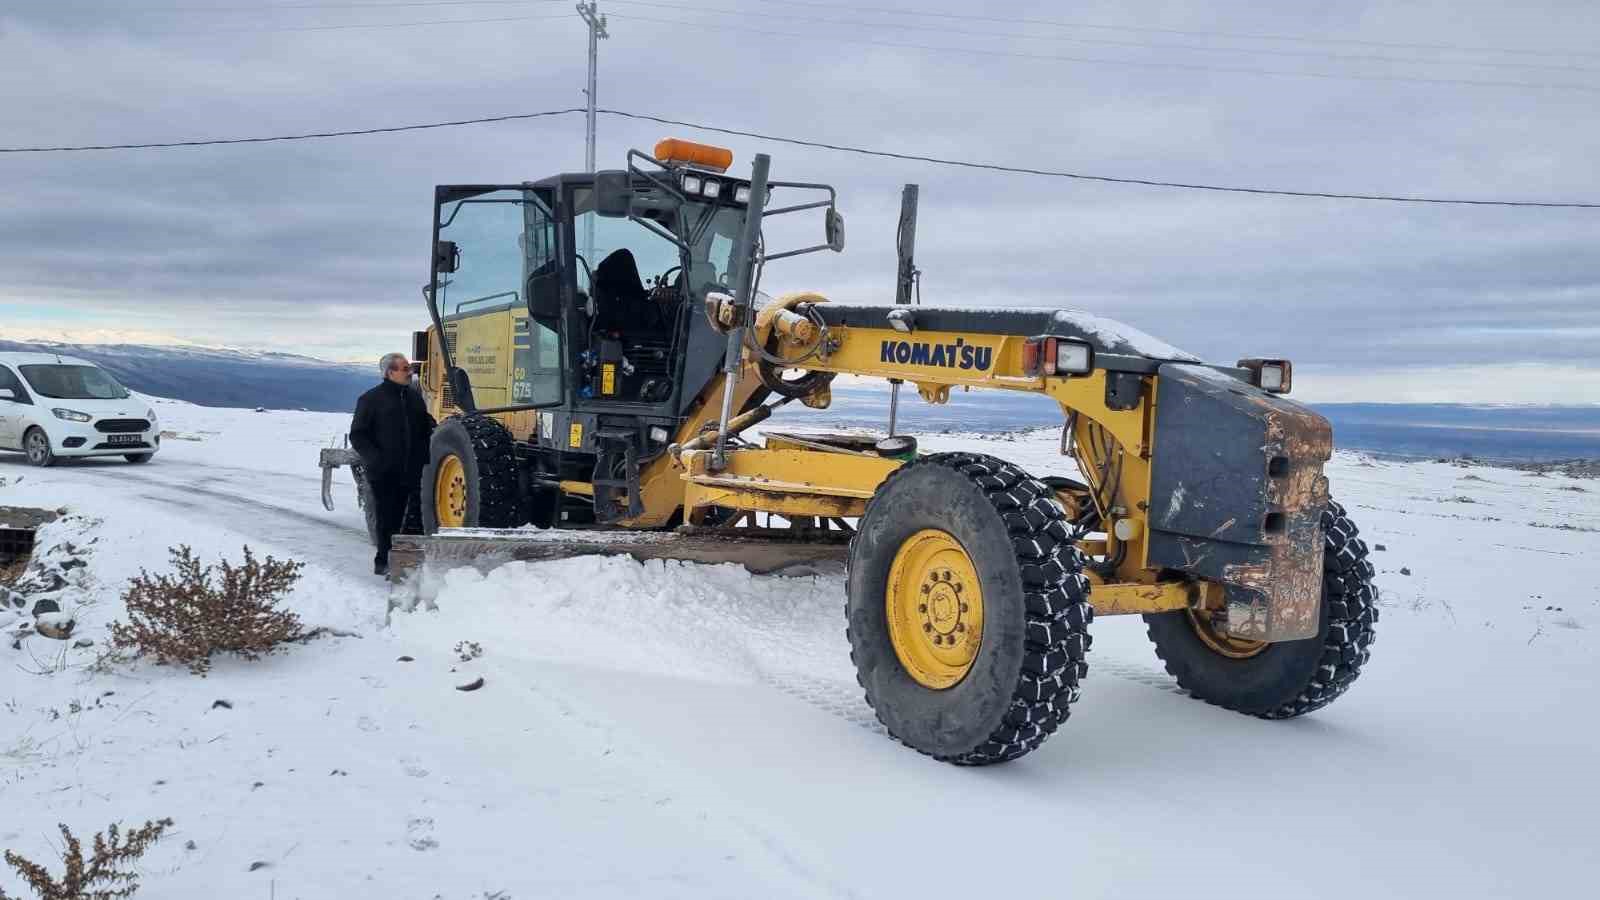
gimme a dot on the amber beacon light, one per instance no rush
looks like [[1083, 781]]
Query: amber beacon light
[[689, 153]]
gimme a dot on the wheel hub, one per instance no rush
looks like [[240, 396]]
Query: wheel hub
[[1218, 640], [450, 493], [934, 606]]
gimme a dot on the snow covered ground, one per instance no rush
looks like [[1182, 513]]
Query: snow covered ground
[[668, 730]]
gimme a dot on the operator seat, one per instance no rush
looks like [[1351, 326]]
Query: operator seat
[[621, 302]]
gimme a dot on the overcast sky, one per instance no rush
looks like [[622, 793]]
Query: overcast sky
[[320, 246]]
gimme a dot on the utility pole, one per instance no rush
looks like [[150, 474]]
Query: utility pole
[[590, 13]]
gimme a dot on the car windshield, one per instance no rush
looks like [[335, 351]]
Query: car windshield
[[67, 382]]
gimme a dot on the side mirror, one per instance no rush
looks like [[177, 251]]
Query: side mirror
[[446, 256], [613, 194], [7, 394], [461, 390], [833, 228], [544, 296]]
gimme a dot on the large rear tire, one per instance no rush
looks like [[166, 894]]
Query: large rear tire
[[471, 477], [968, 610], [1291, 678]]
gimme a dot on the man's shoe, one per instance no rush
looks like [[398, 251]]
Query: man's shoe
[[380, 567]]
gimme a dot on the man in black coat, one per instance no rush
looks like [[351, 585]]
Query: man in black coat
[[390, 430]]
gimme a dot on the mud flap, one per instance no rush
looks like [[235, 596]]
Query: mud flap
[[1236, 496]]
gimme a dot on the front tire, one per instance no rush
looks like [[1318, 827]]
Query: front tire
[[1291, 678], [968, 610], [36, 444], [471, 477]]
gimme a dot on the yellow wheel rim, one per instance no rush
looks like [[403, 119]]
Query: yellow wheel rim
[[935, 609], [450, 493], [1220, 641]]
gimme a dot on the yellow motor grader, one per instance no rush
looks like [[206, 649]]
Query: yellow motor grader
[[600, 350]]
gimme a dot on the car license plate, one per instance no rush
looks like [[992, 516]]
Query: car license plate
[[124, 438]]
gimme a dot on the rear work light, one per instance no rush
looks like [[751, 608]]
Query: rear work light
[[1275, 376], [1049, 355]]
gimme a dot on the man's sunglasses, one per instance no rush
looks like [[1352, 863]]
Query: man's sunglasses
[[400, 368]]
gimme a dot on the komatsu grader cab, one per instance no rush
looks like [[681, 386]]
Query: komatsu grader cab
[[600, 352]]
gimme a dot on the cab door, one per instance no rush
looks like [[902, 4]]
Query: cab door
[[492, 250]]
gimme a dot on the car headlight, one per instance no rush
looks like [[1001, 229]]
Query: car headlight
[[741, 194], [713, 189], [72, 415], [691, 184]]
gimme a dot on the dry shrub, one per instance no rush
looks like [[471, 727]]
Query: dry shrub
[[185, 617], [11, 572], [101, 876]]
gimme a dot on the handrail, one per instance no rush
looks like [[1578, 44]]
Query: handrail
[[511, 294]]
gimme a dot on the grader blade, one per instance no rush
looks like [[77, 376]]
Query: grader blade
[[486, 548]]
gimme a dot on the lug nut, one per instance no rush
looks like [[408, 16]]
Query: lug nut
[[963, 607], [926, 627], [922, 607], [961, 626]]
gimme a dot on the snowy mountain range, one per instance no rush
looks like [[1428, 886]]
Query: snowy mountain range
[[219, 376]]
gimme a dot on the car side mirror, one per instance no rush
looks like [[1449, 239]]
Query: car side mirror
[[544, 296], [833, 230], [613, 194], [446, 256], [7, 394]]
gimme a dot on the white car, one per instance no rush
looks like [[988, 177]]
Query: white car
[[56, 406]]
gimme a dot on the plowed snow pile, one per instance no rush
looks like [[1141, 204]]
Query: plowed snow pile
[[672, 730]]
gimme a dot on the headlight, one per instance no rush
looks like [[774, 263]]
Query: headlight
[[1275, 376], [741, 194], [1047, 355], [72, 415], [691, 184], [713, 188]]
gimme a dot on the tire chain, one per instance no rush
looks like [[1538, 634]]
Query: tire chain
[[495, 451], [1056, 594], [1352, 612]]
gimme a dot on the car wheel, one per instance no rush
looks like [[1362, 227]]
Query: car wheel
[[37, 445]]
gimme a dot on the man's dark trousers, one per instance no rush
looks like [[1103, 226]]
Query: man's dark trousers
[[392, 495]]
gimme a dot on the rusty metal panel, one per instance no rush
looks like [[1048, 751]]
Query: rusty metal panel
[[1237, 494]]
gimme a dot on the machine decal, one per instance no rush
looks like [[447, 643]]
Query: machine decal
[[958, 355], [575, 435]]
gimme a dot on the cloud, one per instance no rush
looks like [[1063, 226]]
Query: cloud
[[320, 247]]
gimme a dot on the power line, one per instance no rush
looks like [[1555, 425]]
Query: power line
[[1111, 42], [819, 145], [1051, 173], [1252, 36], [1142, 64], [313, 135], [351, 27], [904, 11]]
